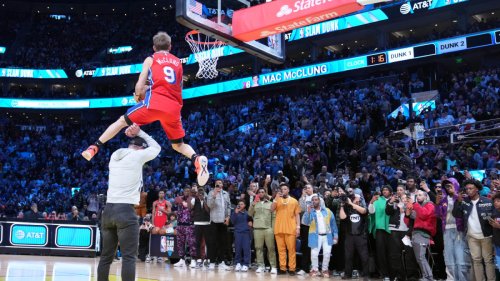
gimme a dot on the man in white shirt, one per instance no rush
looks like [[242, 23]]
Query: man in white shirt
[[119, 221]]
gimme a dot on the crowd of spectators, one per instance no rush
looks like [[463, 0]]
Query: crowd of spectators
[[294, 133]]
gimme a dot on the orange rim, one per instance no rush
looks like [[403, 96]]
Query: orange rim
[[194, 32]]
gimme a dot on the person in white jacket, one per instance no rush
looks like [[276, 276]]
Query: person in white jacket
[[119, 221]]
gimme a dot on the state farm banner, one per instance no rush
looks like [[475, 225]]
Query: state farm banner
[[284, 15]]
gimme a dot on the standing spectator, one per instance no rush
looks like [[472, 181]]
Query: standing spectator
[[144, 233], [251, 194], [201, 219], [305, 202], [323, 234], [119, 221], [185, 229], [286, 228], [356, 235], [457, 263], [398, 251], [242, 237], [495, 223], [475, 210], [263, 220], [424, 228], [220, 209], [382, 233]]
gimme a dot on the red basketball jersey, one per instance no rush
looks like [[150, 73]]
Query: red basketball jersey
[[165, 79], [159, 217]]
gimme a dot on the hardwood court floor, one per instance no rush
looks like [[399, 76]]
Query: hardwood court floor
[[41, 268]]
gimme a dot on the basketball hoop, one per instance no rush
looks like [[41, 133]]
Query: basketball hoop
[[206, 51]]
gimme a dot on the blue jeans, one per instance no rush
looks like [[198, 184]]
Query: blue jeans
[[456, 254]]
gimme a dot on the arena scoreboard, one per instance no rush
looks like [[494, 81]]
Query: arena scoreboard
[[48, 238]]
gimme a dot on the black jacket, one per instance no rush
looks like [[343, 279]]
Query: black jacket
[[392, 211], [484, 209]]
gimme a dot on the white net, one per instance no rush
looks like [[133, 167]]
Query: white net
[[206, 51]]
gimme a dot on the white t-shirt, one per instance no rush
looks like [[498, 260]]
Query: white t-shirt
[[473, 226], [321, 222], [450, 219]]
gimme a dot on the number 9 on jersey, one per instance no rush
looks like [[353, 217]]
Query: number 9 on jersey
[[169, 74]]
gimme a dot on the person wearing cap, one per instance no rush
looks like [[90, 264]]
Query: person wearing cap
[[475, 210], [356, 234], [423, 214], [305, 201], [323, 234], [119, 221], [458, 264], [263, 220], [400, 251], [379, 225], [144, 233]]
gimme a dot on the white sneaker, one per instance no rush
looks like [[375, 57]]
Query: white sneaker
[[244, 268], [211, 266], [223, 266], [301, 273], [148, 259], [154, 259], [160, 259], [201, 167], [193, 263], [180, 263], [407, 241], [237, 267], [274, 271], [260, 269]]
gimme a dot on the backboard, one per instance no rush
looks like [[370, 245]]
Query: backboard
[[214, 18]]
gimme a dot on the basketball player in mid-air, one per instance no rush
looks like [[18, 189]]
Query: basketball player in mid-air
[[159, 95]]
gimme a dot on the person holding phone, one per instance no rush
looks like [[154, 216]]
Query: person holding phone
[[376, 208], [458, 265], [220, 208], [242, 239], [306, 203], [263, 220], [423, 213]]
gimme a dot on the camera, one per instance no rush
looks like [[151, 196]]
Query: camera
[[343, 198], [400, 181]]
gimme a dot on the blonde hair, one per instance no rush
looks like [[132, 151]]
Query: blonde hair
[[162, 41]]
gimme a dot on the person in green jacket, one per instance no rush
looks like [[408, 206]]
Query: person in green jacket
[[263, 231], [380, 222]]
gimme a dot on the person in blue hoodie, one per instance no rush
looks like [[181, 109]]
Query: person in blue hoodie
[[242, 240]]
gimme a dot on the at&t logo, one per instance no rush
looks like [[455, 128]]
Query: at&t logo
[[20, 234], [408, 8]]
